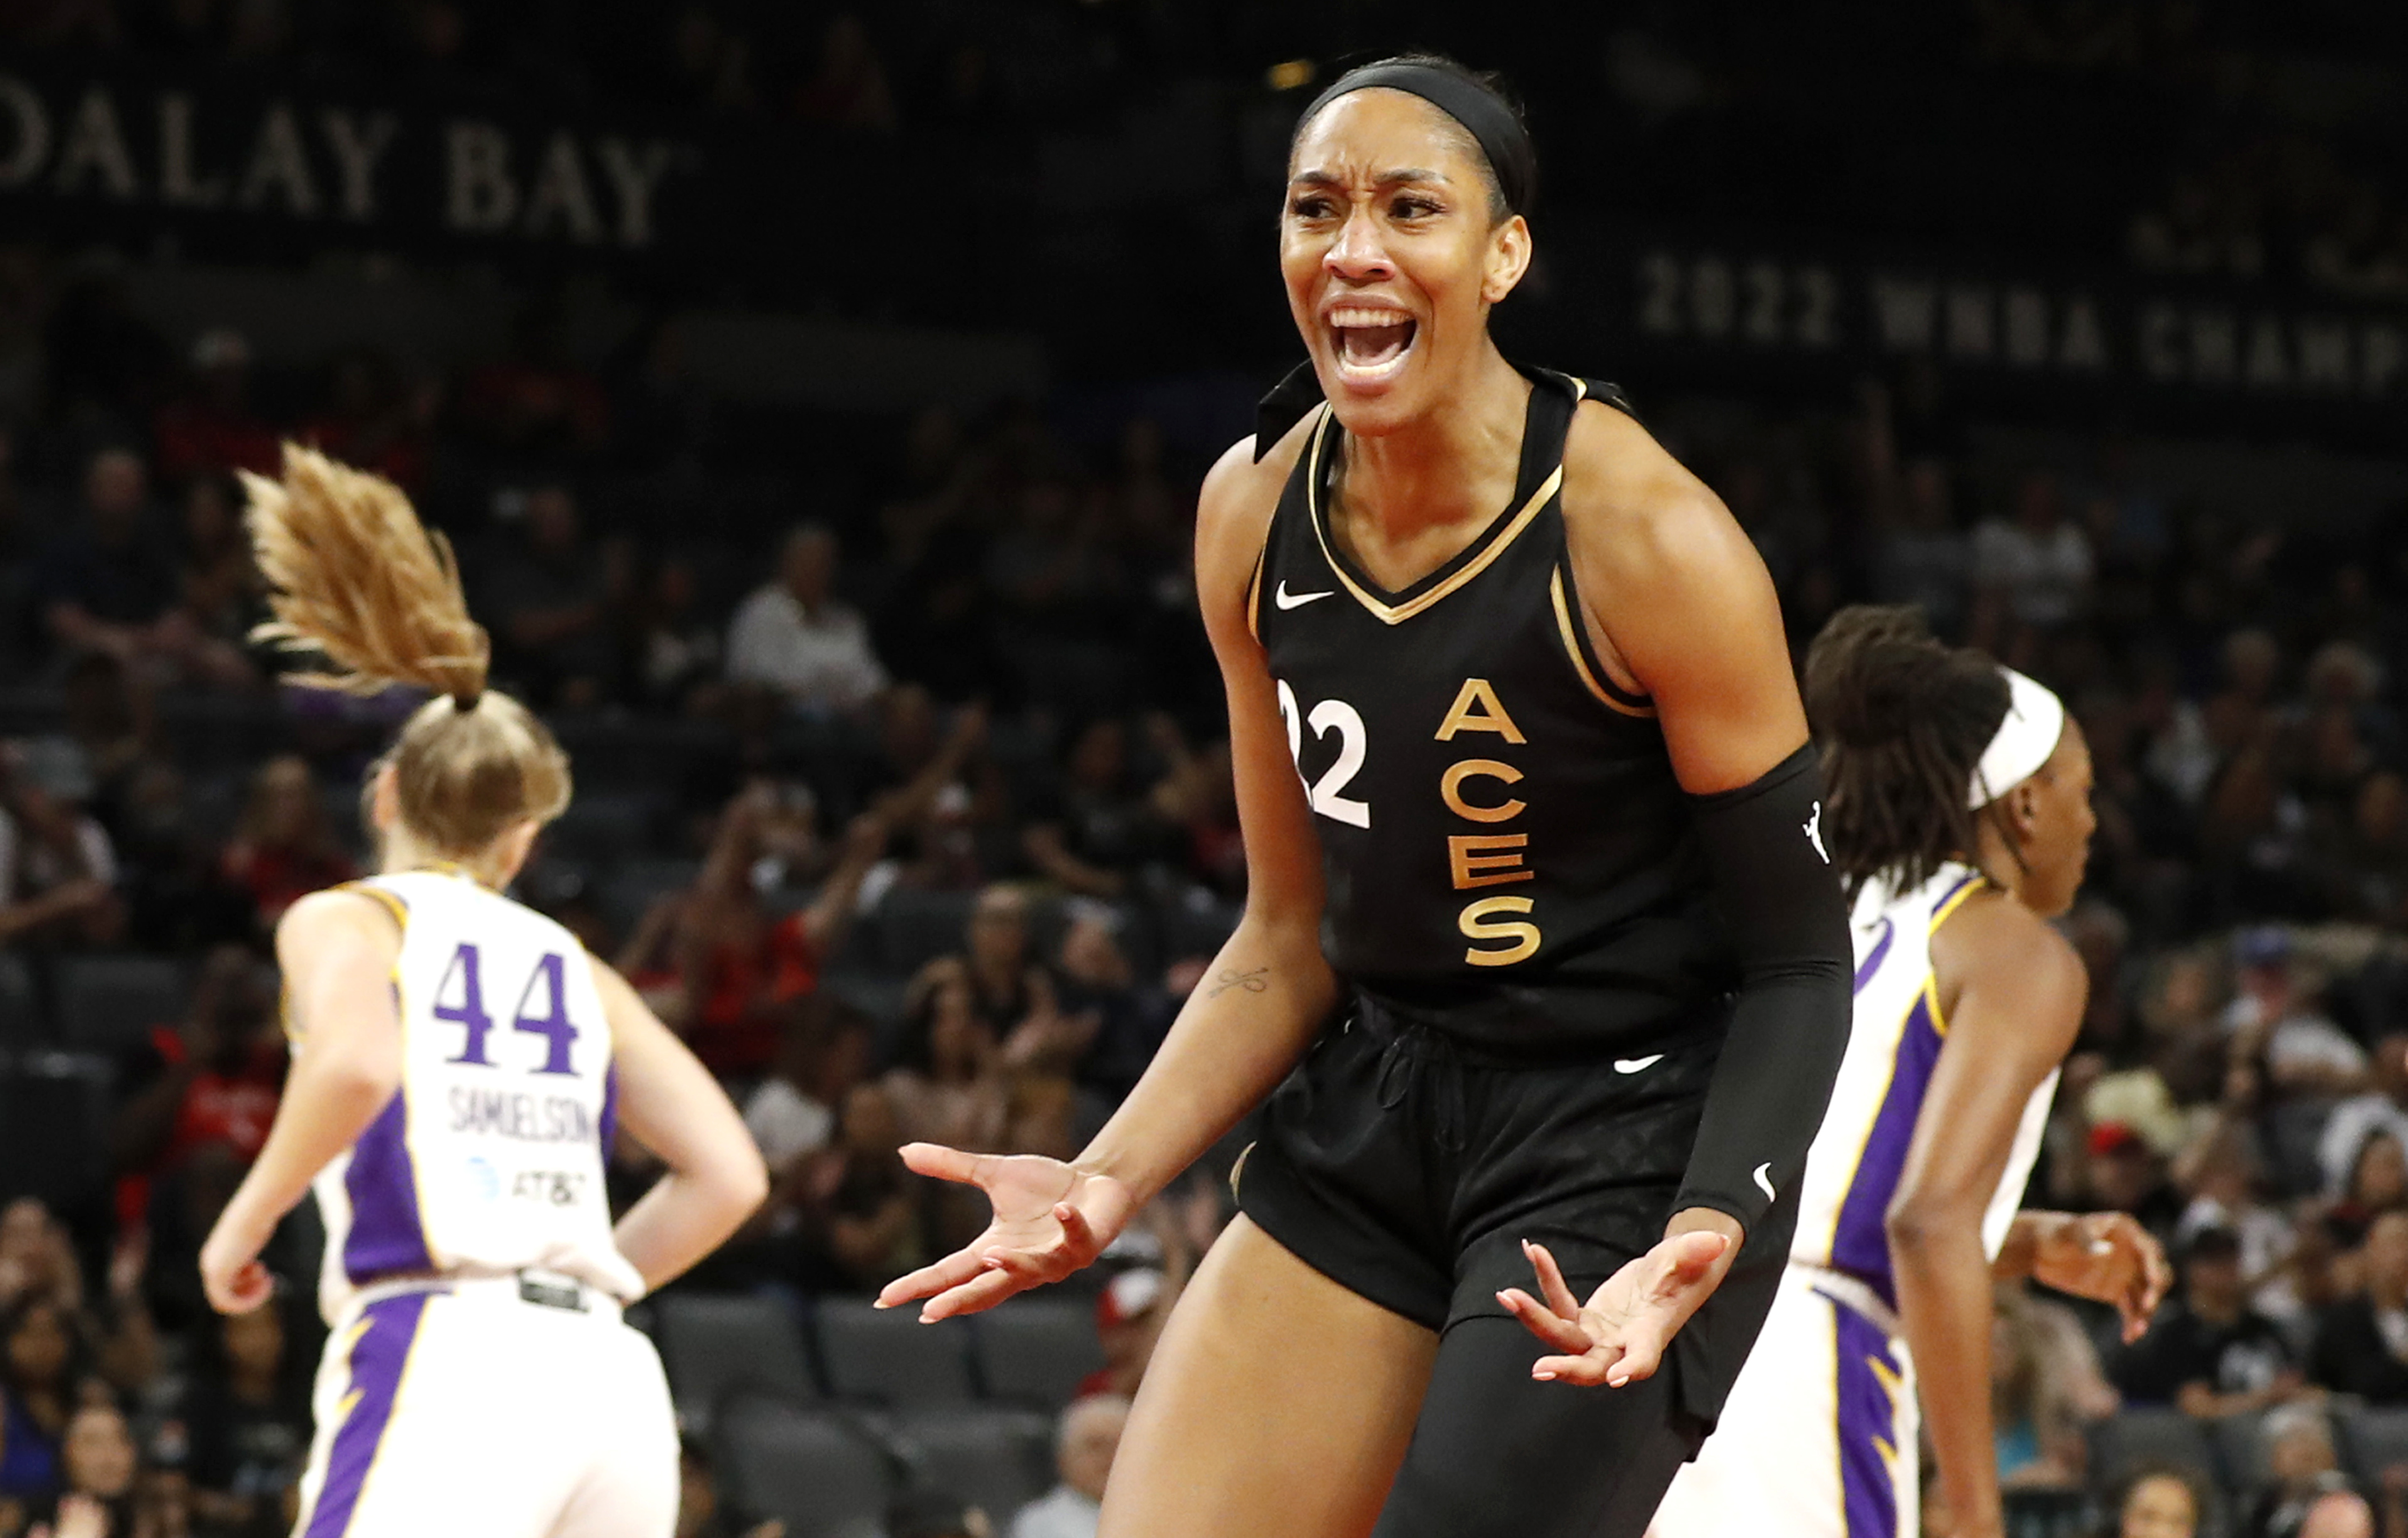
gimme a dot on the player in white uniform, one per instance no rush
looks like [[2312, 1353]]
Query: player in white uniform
[[1958, 815], [460, 1064]]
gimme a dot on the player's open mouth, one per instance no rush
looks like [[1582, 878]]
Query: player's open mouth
[[1370, 344]]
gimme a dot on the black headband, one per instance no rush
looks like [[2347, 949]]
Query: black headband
[[1500, 136]]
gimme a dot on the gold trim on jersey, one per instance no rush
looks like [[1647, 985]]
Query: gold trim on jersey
[[1573, 648], [1940, 916], [1254, 588], [1381, 610], [393, 900]]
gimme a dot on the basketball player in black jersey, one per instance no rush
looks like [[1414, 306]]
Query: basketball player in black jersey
[[1539, 936]]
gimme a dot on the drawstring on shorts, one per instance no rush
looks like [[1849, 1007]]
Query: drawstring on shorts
[[1413, 1052]]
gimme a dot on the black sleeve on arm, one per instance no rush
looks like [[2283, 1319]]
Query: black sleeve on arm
[[1781, 906]]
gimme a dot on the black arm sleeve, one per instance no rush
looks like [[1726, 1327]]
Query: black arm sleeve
[[1781, 905]]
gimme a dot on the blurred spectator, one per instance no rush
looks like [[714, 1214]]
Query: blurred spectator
[[42, 1363], [2221, 1170], [2299, 1454], [1088, 1436], [284, 848], [861, 1211], [1924, 558], [2045, 1386], [2377, 1184], [372, 421], [935, 1513], [700, 1512], [108, 583], [537, 406], [2159, 1503], [2338, 1514], [1130, 1314], [2362, 1342], [218, 583], [212, 1081], [849, 90], [2274, 1014], [1097, 983], [2126, 1174], [2381, 1110], [247, 1416], [554, 598], [738, 967], [947, 1084], [37, 1260], [795, 638], [823, 1051], [2040, 562], [677, 661], [2207, 1352], [1197, 795], [58, 871], [1100, 830], [1006, 985], [96, 1485], [212, 428]]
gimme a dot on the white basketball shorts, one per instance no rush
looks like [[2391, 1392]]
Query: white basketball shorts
[[466, 1411], [1818, 1438]]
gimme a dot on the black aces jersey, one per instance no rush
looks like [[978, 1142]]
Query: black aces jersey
[[1507, 856]]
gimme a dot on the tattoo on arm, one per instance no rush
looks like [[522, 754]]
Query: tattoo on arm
[[1253, 981]]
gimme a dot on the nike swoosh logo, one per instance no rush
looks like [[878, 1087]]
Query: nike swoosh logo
[[1636, 1065], [1287, 600], [1763, 1180]]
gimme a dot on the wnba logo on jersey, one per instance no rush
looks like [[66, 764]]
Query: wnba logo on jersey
[[1487, 859]]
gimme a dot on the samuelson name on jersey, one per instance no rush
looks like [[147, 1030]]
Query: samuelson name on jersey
[[528, 1118]]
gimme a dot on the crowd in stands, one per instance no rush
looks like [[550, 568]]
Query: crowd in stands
[[903, 797]]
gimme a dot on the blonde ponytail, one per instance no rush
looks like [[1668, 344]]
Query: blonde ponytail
[[353, 575]]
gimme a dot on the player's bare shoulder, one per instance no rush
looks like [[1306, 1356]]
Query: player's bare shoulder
[[1233, 518], [1659, 559], [1994, 941], [1632, 512]]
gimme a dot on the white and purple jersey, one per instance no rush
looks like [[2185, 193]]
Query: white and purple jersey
[[488, 1160], [1819, 1437], [1894, 1043]]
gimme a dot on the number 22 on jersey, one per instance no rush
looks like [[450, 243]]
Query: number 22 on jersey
[[1474, 860]]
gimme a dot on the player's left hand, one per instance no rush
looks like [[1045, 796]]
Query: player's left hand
[[1619, 1336], [231, 1275], [2108, 1257]]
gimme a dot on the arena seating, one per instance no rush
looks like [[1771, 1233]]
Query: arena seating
[[717, 1347], [887, 1357], [1035, 1350], [106, 1003], [818, 1472]]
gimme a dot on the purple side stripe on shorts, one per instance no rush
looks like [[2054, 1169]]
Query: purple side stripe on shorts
[[377, 1358], [1868, 1416], [387, 1235]]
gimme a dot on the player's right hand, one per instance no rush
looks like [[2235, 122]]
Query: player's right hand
[[1050, 1219]]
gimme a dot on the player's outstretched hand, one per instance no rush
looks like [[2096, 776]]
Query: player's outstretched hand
[[2108, 1257], [1050, 1219], [1618, 1337]]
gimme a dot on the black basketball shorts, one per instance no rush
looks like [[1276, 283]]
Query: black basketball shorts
[[1409, 1168]]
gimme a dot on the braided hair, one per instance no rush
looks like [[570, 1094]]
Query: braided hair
[[1900, 720]]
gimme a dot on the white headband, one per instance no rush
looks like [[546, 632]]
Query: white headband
[[2035, 719]]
